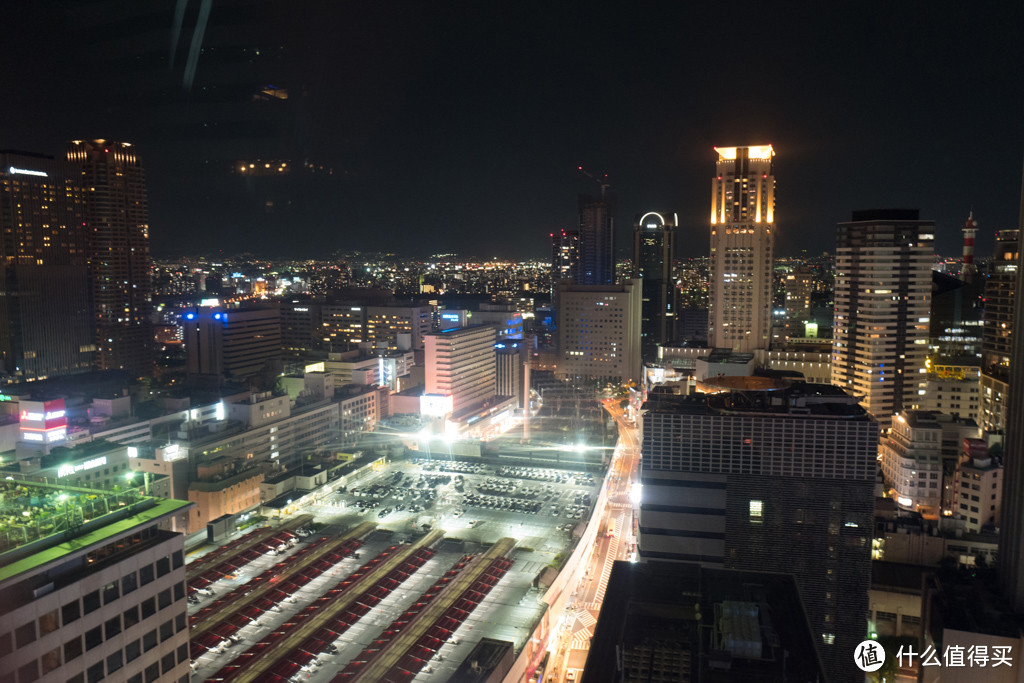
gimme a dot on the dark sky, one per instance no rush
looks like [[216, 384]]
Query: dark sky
[[460, 126]]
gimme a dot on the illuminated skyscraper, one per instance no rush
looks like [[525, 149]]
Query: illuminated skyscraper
[[742, 248], [653, 246], [565, 255], [117, 218], [997, 330], [597, 239], [883, 303], [45, 313], [599, 332], [460, 363]]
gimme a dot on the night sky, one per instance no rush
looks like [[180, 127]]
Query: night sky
[[460, 126]]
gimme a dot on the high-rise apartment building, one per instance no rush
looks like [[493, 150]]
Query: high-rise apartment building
[[653, 248], [565, 255], [768, 477], [46, 327], [882, 308], [1011, 530], [997, 330], [117, 219], [599, 332], [597, 239], [742, 248], [460, 363], [92, 587]]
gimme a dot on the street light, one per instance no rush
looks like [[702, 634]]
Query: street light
[[130, 476]]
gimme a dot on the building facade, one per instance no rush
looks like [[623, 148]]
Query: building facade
[[597, 239], [997, 331], [565, 255], [105, 599], [773, 481], [46, 327], [117, 219], [742, 248], [389, 324], [653, 249], [460, 362], [1011, 529], [882, 308], [599, 332], [232, 344], [979, 487]]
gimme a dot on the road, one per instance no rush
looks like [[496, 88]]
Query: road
[[583, 612]]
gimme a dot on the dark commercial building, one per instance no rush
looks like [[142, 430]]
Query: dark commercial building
[[672, 621], [45, 310], [1011, 533], [653, 247], [597, 239], [768, 475], [117, 218]]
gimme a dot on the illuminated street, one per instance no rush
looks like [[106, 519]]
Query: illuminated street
[[578, 624]]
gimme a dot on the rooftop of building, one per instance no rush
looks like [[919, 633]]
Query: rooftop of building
[[483, 661], [932, 419], [885, 215], [971, 605], [899, 576], [303, 470], [40, 521], [219, 484], [798, 398], [733, 625], [729, 356], [451, 331]]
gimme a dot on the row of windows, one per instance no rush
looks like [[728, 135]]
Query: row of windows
[[75, 647], [90, 602]]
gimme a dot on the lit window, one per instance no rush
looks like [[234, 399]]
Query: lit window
[[756, 511]]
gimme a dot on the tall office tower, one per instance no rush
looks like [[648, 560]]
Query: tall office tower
[[997, 330], [768, 477], [46, 325], [460, 363], [742, 248], [1011, 532], [89, 595], [234, 344], [883, 299], [117, 217], [599, 332], [565, 255], [597, 239], [653, 247]]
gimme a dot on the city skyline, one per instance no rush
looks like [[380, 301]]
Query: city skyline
[[431, 122]]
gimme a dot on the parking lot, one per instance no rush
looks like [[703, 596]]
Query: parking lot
[[468, 500], [474, 504]]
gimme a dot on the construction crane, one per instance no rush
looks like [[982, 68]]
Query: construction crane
[[603, 182]]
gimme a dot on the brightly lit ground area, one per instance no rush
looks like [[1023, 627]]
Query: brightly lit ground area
[[438, 521]]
